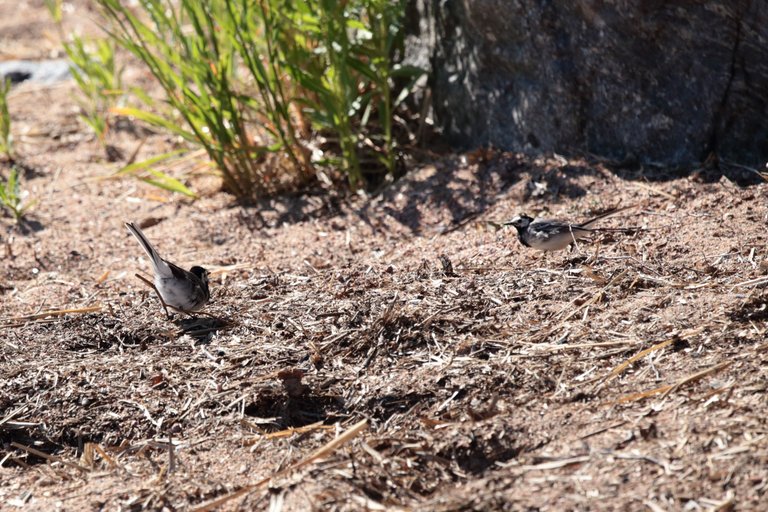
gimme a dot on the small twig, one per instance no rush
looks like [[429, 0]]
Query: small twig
[[623, 366], [98, 449], [145, 411], [8, 417], [48, 457], [325, 450], [697, 376], [659, 280], [753, 282], [556, 464], [668, 469], [654, 190], [550, 347], [666, 390], [601, 430], [132, 158], [289, 432], [54, 313], [427, 320], [330, 314], [171, 454]]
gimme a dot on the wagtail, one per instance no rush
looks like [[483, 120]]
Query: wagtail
[[183, 290], [555, 235]]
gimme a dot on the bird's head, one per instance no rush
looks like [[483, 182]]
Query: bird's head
[[201, 273], [520, 222]]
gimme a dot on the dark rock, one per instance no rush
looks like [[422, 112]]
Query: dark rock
[[653, 81], [44, 71]]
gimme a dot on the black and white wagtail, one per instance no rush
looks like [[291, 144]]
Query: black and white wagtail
[[555, 235], [185, 291]]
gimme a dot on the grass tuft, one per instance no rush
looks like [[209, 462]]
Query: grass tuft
[[12, 197], [256, 83], [99, 78]]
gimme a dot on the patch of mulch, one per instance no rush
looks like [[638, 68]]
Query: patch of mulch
[[628, 373]]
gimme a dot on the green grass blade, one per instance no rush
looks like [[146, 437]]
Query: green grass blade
[[165, 182], [148, 163]]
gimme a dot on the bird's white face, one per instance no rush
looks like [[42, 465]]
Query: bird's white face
[[520, 222]]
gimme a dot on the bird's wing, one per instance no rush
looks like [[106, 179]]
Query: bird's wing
[[555, 227], [179, 272]]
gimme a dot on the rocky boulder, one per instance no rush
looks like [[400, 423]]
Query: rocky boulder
[[653, 81]]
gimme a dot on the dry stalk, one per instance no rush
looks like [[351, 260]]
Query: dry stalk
[[51, 313], [655, 348], [323, 451], [48, 457], [666, 390]]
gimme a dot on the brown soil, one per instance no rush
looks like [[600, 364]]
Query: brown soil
[[629, 374]]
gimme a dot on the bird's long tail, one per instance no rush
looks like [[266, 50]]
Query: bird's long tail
[[612, 211], [152, 254]]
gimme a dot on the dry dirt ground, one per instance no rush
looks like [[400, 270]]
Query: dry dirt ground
[[629, 374]]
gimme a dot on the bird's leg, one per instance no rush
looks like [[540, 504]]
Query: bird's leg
[[160, 297], [191, 314], [574, 241], [188, 313]]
